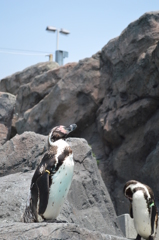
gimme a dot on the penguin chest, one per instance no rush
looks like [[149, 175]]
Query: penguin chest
[[142, 219], [61, 182]]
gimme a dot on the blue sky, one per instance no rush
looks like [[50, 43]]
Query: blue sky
[[92, 23]]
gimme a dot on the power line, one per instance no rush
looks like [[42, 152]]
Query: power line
[[22, 50], [20, 53]]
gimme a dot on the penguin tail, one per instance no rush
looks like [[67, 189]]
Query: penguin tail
[[28, 216]]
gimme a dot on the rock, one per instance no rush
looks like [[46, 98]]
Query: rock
[[22, 153], [55, 231], [7, 102], [150, 167], [67, 100], [124, 120], [12, 83], [88, 202], [14, 189], [127, 118], [31, 93]]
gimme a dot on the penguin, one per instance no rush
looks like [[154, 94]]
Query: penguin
[[52, 178], [142, 209]]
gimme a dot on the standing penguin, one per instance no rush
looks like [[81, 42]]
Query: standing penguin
[[52, 178], [142, 209]]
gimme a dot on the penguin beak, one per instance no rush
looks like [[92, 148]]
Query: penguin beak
[[60, 132], [66, 130], [69, 129]]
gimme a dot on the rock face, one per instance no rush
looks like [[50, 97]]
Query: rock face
[[88, 204], [7, 103], [67, 101], [113, 97], [12, 83], [31, 93], [22, 153], [43, 231], [127, 119]]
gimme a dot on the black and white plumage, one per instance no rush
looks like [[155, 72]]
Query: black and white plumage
[[142, 208], [52, 178]]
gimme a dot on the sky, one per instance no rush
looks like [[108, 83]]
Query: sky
[[24, 40]]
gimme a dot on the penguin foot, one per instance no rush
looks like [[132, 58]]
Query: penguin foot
[[55, 221], [138, 237], [151, 237]]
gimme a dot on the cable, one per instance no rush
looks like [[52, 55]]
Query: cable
[[22, 50], [27, 54]]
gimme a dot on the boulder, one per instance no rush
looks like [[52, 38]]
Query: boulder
[[87, 211], [22, 153], [127, 118], [7, 103], [12, 83], [88, 202], [31, 93], [55, 231], [67, 100]]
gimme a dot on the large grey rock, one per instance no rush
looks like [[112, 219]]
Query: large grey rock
[[127, 119], [22, 153], [67, 100], [31, 93], [88, 202], [44, 231], [7, 103], [12, 83], [151, 166]]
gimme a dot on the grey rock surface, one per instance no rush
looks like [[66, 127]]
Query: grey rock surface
[[88, 202], [31, 93], [127, 118], [22, 153], [7, 103], [44, 231], [67, 100], [87, 211], [12, 83]]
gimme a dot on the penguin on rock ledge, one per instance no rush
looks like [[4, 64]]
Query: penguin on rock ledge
[[52, 178], [142, 209]]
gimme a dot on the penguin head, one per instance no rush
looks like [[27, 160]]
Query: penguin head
[[60, 132], [128, 189], [133, 186]]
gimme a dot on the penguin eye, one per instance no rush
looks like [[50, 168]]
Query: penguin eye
[[128, 193], [54, 136]]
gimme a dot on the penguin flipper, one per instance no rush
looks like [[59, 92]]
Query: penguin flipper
[[131, 211], [153, 216], [150, 238], [43, 186], [48, 159], [138, 237]]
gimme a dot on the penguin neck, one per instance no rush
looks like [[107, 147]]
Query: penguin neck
[[53, 143]]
